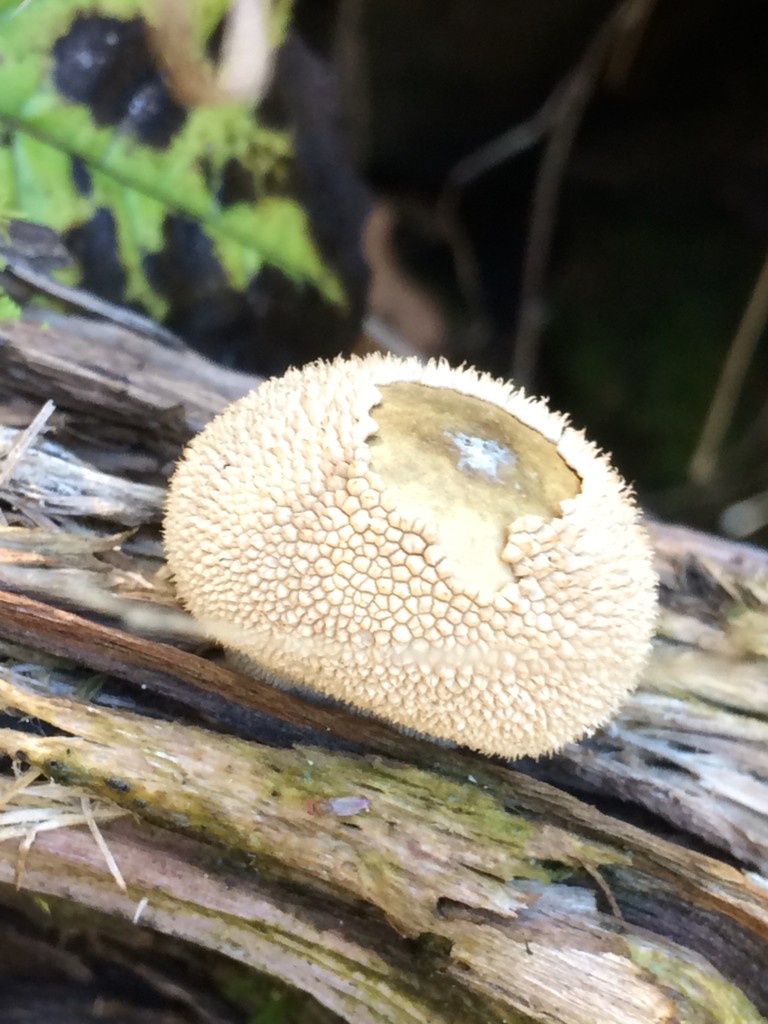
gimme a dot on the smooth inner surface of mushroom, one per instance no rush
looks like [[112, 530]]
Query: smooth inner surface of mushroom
[[468, 469]]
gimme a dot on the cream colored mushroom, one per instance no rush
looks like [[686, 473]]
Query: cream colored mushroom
[[424, 543]]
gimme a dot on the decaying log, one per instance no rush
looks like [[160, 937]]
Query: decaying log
[[392, 878]]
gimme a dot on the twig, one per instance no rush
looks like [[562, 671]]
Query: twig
[[84, 300], [573, 96], [556, 121], [90, 820], [703, 464], [210, 690], [512, 143], [24, 442], [11, 790], [605, 889], [507, 146], [627, 46], [542, 222]]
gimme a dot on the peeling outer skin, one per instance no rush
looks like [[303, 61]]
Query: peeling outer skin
[[289, 548]]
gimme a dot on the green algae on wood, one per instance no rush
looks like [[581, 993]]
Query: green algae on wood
[[708, 998], [256, 802]]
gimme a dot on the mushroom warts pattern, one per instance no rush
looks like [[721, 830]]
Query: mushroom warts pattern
[[424, 543]]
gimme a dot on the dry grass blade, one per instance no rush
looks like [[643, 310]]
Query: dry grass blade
[[29, 807]]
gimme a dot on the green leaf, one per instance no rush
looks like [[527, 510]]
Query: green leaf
[[49, 136]]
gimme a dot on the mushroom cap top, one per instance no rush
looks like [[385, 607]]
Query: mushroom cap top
[[425, 543]]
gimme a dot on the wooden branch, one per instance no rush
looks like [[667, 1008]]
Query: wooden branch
[[432, 856], [113, 373], [396, 879], [359, 969]]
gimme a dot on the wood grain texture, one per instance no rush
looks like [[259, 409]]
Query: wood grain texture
[[393, 878]]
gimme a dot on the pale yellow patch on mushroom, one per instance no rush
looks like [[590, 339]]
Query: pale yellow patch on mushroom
[[468, 467]]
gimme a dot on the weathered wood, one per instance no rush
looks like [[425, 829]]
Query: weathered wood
[[395, 879]]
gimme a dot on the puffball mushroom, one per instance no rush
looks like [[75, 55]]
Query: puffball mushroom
[[424, 543]]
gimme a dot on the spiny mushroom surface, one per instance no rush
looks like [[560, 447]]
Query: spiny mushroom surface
[[424, 543]]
